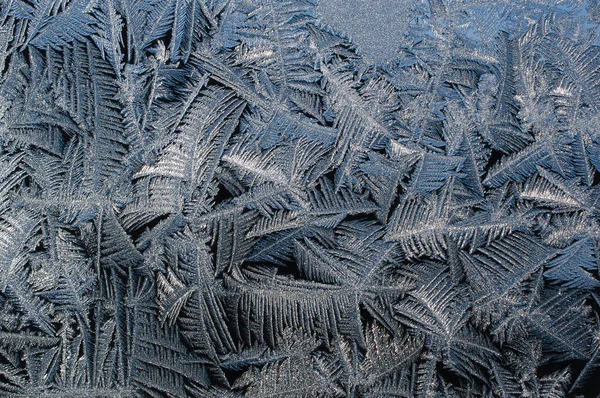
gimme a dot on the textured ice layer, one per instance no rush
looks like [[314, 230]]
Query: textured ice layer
[[222, 199]]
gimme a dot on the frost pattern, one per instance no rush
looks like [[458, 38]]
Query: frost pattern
[[223, 198]]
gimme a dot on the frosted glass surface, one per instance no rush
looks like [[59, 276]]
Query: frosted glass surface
[[376, 26]]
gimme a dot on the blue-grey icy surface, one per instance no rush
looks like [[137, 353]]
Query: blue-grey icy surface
[[377, 27], [292, 198]]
